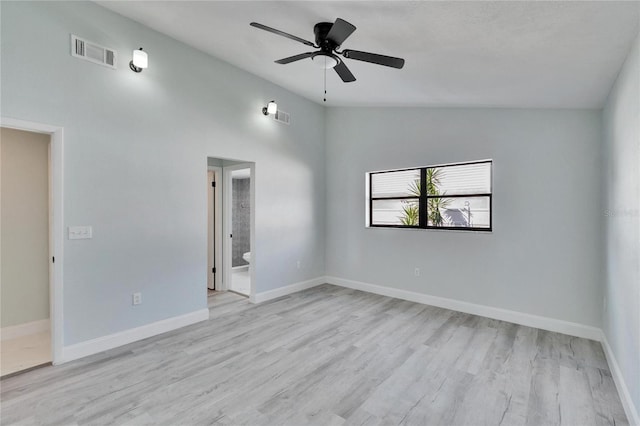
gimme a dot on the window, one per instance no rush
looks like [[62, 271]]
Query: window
[[454, 196], [395, 198]]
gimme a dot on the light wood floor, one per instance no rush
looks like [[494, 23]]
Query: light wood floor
[[328, 356], [24, 352]]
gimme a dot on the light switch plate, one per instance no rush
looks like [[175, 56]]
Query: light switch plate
[[80, 232]]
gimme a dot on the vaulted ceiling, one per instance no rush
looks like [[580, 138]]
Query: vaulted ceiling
[[503, 54]]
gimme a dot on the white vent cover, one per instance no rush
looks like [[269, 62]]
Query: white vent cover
[[93, 52], [282, 117]]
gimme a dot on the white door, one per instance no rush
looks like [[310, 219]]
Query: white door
[[214, 229], [211, 237]]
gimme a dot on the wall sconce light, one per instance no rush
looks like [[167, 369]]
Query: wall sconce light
[[271, 108], [140, 60]]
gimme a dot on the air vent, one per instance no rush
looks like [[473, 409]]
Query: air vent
[[93, 52], [282, 117]]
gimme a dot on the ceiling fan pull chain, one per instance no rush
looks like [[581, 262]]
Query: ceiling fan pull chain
[[325, 79]]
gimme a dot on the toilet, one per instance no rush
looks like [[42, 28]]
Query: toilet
[[247, 257]]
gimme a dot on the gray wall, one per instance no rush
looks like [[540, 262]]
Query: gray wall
[[24, 237], [544, 254], [241, 221], [136, 148], [622, 221]]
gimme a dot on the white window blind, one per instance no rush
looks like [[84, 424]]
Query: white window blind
[[464, 179], [394, 184]]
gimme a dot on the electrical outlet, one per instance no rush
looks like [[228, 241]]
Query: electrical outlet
[[80, 232], [298, 264], [416, 272], [137, 298]]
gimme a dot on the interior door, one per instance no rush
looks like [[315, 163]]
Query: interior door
[[211, 239]]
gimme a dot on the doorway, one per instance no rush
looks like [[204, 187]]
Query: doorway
[[55, 238], [25, 250], [230, 226]]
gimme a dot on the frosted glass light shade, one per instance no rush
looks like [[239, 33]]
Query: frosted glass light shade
[[140, 59], [324, 61], [272, 107]]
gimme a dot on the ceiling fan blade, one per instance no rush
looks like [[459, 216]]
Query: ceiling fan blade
[[282, 33], [294, 58], [339, 31], [344, 72], [374, 58]]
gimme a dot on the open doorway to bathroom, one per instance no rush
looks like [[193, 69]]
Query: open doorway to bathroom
[[230, 199]]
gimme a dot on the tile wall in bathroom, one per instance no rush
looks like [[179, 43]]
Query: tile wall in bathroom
[[241, 221]]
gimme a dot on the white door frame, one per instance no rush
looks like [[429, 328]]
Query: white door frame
[[227, 194], [217, 220], [56, 225]]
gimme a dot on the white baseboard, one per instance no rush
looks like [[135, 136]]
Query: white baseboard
[[627, 403], [25, 329], [94, 346], [283, 291], [529, 320]]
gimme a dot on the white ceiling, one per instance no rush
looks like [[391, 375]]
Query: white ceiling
[[505, 54]]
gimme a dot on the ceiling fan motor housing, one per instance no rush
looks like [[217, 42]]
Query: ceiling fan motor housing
[[325, 58], [321, 29]]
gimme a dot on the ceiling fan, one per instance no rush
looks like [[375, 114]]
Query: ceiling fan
[[329, 38]]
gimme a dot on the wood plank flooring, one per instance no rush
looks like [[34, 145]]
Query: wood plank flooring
[[328, 356], [25, 352]]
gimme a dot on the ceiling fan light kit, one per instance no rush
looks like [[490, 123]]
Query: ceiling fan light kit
[[328, 38], [324, 60]]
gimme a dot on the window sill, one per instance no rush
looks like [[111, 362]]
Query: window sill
[[457, 231]]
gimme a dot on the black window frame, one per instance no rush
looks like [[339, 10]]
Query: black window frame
[[420, 199], [423, 222]]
